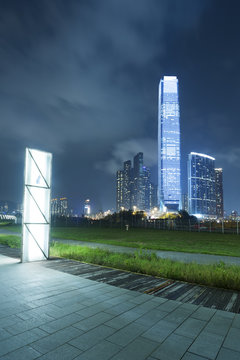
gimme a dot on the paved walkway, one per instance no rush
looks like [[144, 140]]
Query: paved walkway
[[46, 314]]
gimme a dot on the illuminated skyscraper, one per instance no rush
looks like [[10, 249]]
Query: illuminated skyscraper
[[87, 208], [127, 182], [219, 192], [64, 206], [138, 182], [201, 185], [119, 190], [169, 188]]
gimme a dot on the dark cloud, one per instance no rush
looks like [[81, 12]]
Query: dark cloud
[[80, 79]]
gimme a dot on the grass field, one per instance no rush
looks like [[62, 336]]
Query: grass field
[[192, 242], [218, 275]]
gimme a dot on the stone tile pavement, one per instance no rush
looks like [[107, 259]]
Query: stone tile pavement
[[46, 314]]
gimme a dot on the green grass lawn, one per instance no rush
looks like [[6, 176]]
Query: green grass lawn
[[218, 275], [192, 242]]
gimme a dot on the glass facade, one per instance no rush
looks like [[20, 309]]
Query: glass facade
[[219, 192], [201, 185], [169, 188]]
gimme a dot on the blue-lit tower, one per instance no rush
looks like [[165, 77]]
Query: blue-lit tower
[[201, 185], [169, 185]]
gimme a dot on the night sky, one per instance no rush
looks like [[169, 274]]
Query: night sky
[[80, 79]]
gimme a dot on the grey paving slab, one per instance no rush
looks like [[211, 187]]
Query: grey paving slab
[[178, 315], [26, 353], [92, 337], [203, 313], [190, 356], [119, 322], [232, 340], [102, 351], [218, 324], [55, 340], [191, 328], [166, 351], [151, 317], [236, 321], [93, 321], [207, 344], [169, 305], [61, 323], [160, 331], [127, 334], [64, 352], [227, 354], [139, 349]]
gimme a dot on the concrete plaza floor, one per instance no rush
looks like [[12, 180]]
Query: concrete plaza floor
[[47, 314]]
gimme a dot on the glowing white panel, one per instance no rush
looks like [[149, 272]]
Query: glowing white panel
[[36, 208]]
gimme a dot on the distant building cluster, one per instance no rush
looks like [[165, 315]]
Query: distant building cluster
[[59, 206], [205, 182], [135, 191]]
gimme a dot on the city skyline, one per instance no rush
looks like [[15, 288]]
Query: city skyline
[[80, 80]]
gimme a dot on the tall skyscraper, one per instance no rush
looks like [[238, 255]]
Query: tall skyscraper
[[138, 191], [64, 206], [87, 208], [127, 182], [119, 190], [201, 185], [169, 186], [219, 192]]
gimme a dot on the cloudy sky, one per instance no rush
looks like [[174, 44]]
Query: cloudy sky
[[79, 78]]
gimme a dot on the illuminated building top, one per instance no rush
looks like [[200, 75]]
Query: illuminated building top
[[202, 155]]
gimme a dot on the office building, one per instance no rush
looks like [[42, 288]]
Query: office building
[[219, 192], [127, 184], [169, 188], [87, 208], [64, 206], [119, 186], [201, 185], [138, 182]]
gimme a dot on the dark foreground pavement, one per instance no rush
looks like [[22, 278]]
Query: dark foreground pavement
[[48, 314]]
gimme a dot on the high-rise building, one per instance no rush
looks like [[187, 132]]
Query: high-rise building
[[219, 192], [119, 190], [64, 206], [138, 182], [147, 188], [201, 185], [134, 189], [153, 196], [127, 183], [87, 208], [169, 186], [54, 206]]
